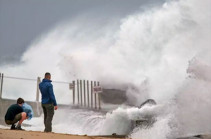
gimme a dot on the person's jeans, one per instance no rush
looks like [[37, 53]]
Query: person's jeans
[[48, 110]]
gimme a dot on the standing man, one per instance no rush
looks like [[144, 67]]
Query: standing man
[[48, 101], [15, 114]]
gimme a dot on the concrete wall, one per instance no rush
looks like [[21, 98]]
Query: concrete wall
[[5, 103], [113, 96]]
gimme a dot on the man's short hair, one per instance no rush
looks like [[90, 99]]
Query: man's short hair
[[47, 74], [20, 101]]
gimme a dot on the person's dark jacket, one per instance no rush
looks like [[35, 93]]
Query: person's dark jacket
[[12, 111], [46, 89]]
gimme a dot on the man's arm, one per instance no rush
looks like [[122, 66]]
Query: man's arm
[[52, 96]]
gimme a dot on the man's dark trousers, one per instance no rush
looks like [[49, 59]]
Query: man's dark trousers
[[48, 110]]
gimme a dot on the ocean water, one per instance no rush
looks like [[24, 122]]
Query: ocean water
[[119, 121]]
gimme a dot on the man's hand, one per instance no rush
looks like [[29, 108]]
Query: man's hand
[[55, 107]]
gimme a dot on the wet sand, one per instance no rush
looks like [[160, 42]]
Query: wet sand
[[17, 134]]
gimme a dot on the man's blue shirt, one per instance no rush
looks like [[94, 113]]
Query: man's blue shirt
[[46, 89]]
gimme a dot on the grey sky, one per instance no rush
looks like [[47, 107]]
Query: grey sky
[[21, 21]]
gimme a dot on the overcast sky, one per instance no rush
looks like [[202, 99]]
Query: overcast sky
[[22, 21]]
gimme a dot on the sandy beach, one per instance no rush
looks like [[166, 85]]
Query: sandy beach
[[15, 134]]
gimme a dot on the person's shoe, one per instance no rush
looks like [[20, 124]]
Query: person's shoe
[[46, 131], [19, 127], [13, 127]]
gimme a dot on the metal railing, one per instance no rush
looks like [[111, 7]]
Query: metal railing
[[83, 94]]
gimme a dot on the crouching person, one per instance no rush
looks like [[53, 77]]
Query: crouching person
[[15, 113]]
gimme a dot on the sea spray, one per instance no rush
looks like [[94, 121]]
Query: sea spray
[[159, 130], [71, 121], [148, 45], [193, 100], [81, 121]]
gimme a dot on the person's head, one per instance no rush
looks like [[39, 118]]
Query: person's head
[[47, 75], [20, 101]]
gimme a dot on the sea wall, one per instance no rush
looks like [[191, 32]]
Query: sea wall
[[5, 103]]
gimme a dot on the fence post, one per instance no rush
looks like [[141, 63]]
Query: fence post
[[1, 76], [84, 93], [73, 92], [38, 91], [95, 96], [78, 91], [88, 92], [91, 94], [37, 95], [2, 80], [81, 91], [99, 96]]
